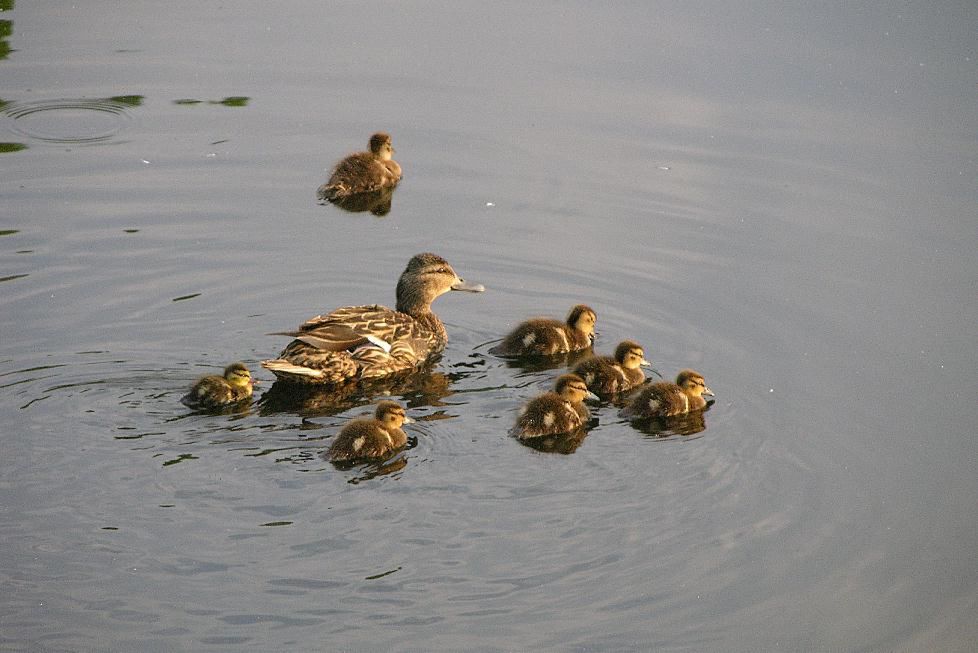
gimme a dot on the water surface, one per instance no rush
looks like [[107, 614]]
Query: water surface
[[780, 196]]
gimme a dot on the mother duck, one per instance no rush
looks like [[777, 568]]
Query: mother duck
[[372, 341]]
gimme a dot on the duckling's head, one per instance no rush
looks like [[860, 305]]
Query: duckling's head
[[237, 375], [693, 384], [380, 145], [630, 355], [391, 414], [582, 318], [572, 388], [426, 277]]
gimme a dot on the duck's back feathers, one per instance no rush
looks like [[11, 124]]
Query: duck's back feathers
[[363, 172], [665, 399], [364, 439], [662, 399], [371, 438], [542, 336], [216, 391], [549, 414], [536, 337], [604, 376]]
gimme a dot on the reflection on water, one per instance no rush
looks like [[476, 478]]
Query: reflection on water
[[232, 101], [6, 29], [423, 387], [664, 427], [564, 443], [377, 202]]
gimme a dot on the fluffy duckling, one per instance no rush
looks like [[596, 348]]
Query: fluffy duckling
[[371, 438], [665, 399], [363, 172], [552, 413], [543, 336], [609, 375], [373, 342], [216, 391]]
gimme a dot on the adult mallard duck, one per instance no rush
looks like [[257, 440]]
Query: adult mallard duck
[[552, 413], [363, 172], [216, 391], [373, 342], [610, 375], [371, 438], [542, 336], [665, 399]]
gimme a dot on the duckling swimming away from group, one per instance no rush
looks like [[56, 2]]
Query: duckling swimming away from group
[[543, 336], [665, 399], [372, 341], [371, 438], [610, 375], [216, 391], [363, 172], [552, 413]]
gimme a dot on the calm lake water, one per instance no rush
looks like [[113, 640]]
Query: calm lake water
[[782, 196]]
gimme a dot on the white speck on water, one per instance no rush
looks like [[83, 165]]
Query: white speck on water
[[145, 161], [664, 168], [490, 204], [771, 390]]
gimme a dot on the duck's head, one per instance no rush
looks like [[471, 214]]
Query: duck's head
[[572, 388], [582, 318], [693, 384], [426, 277], [391, 414], [238, 376], [380, 145], [630, 355]]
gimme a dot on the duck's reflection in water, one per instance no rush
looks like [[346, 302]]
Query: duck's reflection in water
[[374, 469], [565, 443], [420, 388], [544, 363], [377, 202], [686, 425]]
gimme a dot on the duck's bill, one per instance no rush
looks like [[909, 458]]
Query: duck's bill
[[468, 287], [409, 420], [708, 392], [590, 396]]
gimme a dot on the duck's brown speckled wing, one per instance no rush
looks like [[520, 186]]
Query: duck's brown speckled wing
[[367, 342]]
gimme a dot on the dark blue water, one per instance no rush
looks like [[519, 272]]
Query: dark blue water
[[780, 196]]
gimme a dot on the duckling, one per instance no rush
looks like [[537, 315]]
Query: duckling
[[373, 342], [216, 391], [543, 336], [363, 172], [609, 375], [370, 438], [552, 413], [665, 399]]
